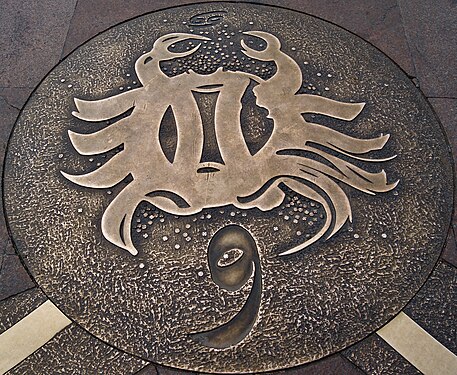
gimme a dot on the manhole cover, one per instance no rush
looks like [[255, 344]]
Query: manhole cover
[[228, 187]]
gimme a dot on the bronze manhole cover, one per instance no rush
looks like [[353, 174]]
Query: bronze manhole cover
[[228, 187]]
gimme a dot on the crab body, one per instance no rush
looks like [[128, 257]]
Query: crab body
[[243, 179]]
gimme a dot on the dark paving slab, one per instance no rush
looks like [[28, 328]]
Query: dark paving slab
[[446, 109], [73, 351], [15, 97], [374, 356], [332, 365], [8, 115], [379, 22], [7, 247], [13, 277], [169, 371], [148, 370], [17, 307], [450, 250], [434, 307], [431, 29], [32, 36]]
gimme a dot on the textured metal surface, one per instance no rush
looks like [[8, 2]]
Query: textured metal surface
[[313, 302]]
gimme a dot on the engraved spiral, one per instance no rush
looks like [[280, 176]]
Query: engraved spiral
[[232, 259]]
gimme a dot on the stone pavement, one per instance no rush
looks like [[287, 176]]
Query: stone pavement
[[420, 36]]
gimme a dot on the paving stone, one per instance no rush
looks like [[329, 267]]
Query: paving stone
[[332, 365], [374, 356], [15, 96], [8, 115], [449, 253], [17, 307], [74, 351], [446, 109], [91, 18], [431, 29], [170, 371], [13, 277], [148, 370], [7, 246], [379, 22], [434, 307], [32, 36]]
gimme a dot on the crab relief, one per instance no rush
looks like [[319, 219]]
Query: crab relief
[[185, 185]]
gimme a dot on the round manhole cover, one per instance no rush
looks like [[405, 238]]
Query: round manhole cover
[[228, 187]]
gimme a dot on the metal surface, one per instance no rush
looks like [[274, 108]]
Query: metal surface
[[220, 203]]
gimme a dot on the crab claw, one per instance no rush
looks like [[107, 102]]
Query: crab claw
[[288, 76], [269, 53], [148, 65], [160, 49]]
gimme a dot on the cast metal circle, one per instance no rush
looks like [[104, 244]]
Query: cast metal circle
[[228, 187]]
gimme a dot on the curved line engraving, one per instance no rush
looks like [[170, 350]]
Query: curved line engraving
[[232, 277]]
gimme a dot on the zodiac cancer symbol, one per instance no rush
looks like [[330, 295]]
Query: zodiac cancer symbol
[[185, 185]]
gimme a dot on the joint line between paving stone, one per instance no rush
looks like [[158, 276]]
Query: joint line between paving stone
[[17, 294], [355, 365], [68, 30], [408, 41], [442, 97], [9, 104]]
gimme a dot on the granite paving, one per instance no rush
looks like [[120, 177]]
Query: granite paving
[[431, 30]]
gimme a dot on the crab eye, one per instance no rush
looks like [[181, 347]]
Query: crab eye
[[229, 257]]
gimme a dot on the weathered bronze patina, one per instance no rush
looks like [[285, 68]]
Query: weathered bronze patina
[[228, 187]]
